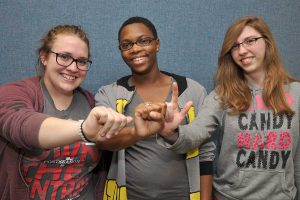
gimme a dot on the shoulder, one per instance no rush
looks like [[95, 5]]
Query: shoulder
[[26, 92], [194, 88], [110, 88], [295, 85], [195, 85], [189, 90], [186, 84], [108, 94], [29, 85], [24, 82], [194, 91], [212, 99], [293, 88]]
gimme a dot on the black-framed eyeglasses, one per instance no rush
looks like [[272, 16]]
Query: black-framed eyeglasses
[[246, 43], [142, 42], [66, 60]]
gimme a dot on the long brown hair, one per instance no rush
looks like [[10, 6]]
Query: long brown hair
[[50, 37], [230, 83]]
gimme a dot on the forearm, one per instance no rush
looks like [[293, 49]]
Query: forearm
[[56, 132], [130, 135], [125, 138], [206, 187], [184, 142]]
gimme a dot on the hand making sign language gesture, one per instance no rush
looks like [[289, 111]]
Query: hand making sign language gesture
[[174, 116]]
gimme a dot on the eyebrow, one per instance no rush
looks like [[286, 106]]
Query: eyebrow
[[142, 36], [69, 54], [249, 37]]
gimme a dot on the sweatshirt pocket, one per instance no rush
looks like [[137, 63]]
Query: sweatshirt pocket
[[252, 185]]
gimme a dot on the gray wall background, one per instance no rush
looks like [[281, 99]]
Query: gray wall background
[[191, 33]]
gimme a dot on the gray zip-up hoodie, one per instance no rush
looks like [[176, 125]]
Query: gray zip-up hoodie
[[118, 95], [259, 152]]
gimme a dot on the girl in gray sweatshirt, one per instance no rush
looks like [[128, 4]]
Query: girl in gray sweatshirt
[[255, 105]]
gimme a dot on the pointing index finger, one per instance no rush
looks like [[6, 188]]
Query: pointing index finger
[[174, 99]]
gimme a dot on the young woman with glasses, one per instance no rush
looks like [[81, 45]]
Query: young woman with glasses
[[256, 105], [146, 170], [49, 126]]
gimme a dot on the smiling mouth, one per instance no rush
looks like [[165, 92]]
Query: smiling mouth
[[138, 59], [68, 77], [246, 61]]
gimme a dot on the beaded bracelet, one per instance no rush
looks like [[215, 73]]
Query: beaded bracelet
[[81, 133]]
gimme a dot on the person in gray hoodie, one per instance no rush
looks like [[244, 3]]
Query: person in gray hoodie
[[255, 105], [146, 170]]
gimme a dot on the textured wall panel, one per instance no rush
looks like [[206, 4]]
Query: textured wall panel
[[191, 33]]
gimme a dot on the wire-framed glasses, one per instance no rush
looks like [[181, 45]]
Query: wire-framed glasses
[[246, 43]]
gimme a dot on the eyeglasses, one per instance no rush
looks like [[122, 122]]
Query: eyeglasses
[[66, 60], [246, 43], [142, 42]]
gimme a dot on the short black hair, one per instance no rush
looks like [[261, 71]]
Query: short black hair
[[142, 20]]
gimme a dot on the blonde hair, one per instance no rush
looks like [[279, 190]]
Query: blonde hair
[[49, 38], [230, 83]]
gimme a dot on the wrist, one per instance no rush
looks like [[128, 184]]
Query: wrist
[[172, 136], [82, 134], [136, 135]]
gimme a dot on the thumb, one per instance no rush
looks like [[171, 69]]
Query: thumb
[[156, 116], [129, 119], [186, 108]]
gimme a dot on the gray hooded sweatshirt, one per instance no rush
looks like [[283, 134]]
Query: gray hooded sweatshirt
[[198, 159], [259, 152]]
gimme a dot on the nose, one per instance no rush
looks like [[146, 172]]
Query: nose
[[242, 49], [135, 48], [73, 66]]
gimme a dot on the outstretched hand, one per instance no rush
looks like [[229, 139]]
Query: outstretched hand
[[174, 116], [103, 123], [148, 120]]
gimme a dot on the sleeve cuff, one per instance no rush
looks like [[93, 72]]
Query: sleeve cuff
[[206, 168]]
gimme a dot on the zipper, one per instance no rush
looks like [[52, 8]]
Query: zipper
[[129, 100], [253, 93], [21, 175]]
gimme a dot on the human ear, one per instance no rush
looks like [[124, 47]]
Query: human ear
[[43, 58], [157, 45]]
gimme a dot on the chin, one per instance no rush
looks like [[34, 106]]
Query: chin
[[140, 72], [69, 88]]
